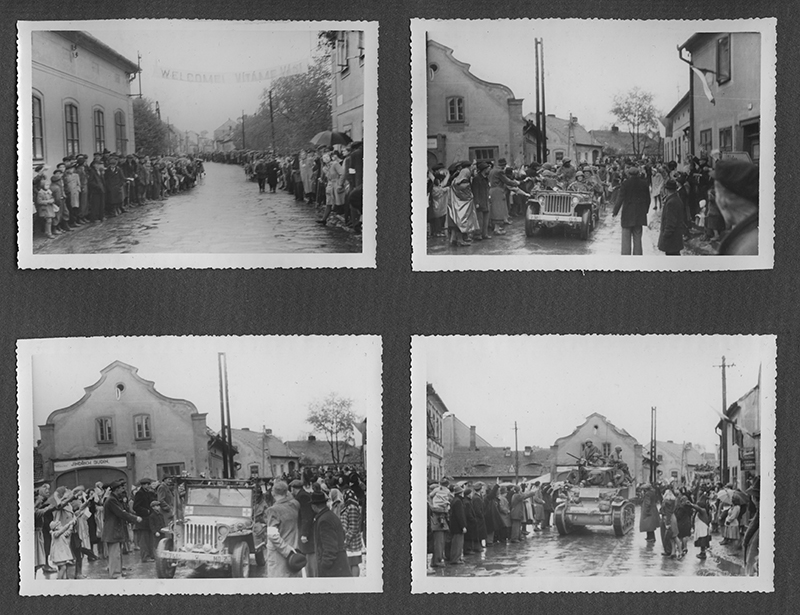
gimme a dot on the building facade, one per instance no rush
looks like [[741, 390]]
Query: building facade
[[568, 139], [605, 436], [436, 410], [315, 453], [616, 142], [740, 440], [469, 118], [677, 129], [457, 435], [81, 97], [732, 122], [347, 87], [123, 428], [262, 454], [674, 461]]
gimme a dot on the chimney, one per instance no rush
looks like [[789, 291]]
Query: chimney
[[268, 432], [615, 128], [312, 438], [473, 440], [528, 451]]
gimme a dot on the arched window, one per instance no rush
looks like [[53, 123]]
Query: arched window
[[121, 132], [38, 128], [455, 109], [73, 141], [99, 130]]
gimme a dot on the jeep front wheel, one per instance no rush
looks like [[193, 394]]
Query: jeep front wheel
[[240, 564], [585, 224], [261, 557], [165, 569], [530, 228]]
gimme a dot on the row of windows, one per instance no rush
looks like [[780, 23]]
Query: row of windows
[[142, 428], [277, 469], [343, 51], [72, 140], [725, 140]]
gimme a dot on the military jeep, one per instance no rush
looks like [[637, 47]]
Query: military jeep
[[576, 212], [594, 496], [214, 527]]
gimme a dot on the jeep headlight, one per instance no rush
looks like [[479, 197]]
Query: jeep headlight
[[575, 200], [222, 532]]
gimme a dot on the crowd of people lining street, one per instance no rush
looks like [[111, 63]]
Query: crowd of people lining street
[[718, 198], [473, 518], [319, 513], [79, 192], [330, 178]]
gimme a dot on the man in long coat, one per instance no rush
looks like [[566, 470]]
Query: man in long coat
[[142, 502], [328, 539], [471, 535], [477, 507], [115, 187], [306, 526], [114, 530], [282, 521], [670, 239], [634, 200], [458, 527], [650, 520]]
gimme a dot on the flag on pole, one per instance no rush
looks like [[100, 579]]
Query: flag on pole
[[704, 74]]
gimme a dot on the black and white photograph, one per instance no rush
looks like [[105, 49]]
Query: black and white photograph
[[572, 144], [158, 465], [197, 144], [593, 463]]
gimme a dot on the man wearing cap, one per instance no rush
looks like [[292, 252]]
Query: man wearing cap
[[498, 205], [282, 523], [114, 531], [736, 191], [302, 494], [142, 505], [480, 194], [329, 546], [634, 200], [566, 173], [670, 238]]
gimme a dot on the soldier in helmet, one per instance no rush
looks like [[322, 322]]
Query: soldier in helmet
[[591, 453]]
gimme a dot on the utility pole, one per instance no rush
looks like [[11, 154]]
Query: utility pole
[[271, 121], [225, 473], [538, 109], [139, 74], [516, 455], [243, 142], [544, 110], [653, 452], [724, 472]]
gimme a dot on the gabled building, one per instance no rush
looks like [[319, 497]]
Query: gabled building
[[317, 453], [81, 97], [569, 139], [616, 142], [604, 435], [123, 428], [674, 461], [347, 86], [469, 118], [457, 435], [262, 454], [732, 61]]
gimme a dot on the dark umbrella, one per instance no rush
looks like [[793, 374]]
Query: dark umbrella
[[330, 137]]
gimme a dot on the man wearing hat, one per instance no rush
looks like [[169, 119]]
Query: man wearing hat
[[498, 205], [329, 545], [114, 530], [634, 200], [302, 493], [480, 193], [736, 190], [670, 238], [142, 506]]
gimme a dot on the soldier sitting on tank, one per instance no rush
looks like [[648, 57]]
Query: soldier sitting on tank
[[579, 185], [616, 461], [592, 454]]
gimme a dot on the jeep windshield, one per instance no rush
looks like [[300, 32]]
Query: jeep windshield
[[219, 496]]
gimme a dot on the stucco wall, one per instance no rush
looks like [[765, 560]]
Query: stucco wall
[[488, 121], [87, 81], [347, 93]]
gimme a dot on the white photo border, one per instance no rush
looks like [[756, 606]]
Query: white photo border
[[422, 261], [26, 259], [421, 583], [30, 586]]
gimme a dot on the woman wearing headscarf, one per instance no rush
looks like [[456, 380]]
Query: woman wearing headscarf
[[702, 525], [336, 501], [462, 219], [438, 196], [669, 526], [351, 524], [683, 520]]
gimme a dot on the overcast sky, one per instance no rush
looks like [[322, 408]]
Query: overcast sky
[[271, 380], [204, 47], [587, 62], [550, 384]]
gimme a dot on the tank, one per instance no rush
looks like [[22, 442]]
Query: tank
[[595, 496]]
